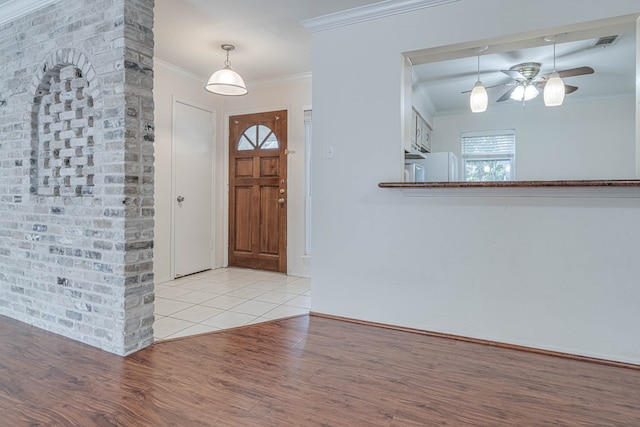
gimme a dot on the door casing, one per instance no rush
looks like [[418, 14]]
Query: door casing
[[174, 189], [226, 167]]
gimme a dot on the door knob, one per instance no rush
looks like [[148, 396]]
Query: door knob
[[281, 200], [180, 199]]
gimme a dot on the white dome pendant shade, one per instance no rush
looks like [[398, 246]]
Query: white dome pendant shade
[[226, 81], [479, 100]]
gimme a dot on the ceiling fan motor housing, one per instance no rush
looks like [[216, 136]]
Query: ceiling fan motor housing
[[529, 70]]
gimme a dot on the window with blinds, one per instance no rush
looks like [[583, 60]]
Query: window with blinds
[[489, 156]]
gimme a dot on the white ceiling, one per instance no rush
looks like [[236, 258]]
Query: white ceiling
[[270, 41]]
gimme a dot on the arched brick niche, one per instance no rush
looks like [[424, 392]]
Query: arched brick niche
[[63, 120]]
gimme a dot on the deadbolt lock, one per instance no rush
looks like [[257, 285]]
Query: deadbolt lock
[[282, 191]]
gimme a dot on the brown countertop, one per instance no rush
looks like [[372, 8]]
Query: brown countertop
[[514, 184], [610, 188]]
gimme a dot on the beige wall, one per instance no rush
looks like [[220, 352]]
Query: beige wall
[[173, 84]]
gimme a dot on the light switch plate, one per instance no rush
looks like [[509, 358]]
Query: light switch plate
[[330, 152]]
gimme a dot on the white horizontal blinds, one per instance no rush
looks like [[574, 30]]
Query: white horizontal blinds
[[489, 144], [489, 156]]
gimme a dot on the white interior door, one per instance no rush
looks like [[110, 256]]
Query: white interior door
[[192, 202]]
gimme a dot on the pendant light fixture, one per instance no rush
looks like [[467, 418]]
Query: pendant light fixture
[[226, 81], [479, 99], [554, 89]]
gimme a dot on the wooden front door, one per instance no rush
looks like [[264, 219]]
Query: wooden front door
[[258, 191]]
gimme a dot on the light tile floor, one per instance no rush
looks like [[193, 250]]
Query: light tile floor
[[226, 298]]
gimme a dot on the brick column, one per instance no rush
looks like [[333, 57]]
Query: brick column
[[76, 171]]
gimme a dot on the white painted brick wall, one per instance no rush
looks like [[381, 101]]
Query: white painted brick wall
[[80, 265]]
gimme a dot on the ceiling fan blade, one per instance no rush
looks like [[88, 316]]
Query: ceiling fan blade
[[516, 75], [576, 72], [570, 89], [571, 72], [506, 95]]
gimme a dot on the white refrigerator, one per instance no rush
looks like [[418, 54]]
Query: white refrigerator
[[439, 167]]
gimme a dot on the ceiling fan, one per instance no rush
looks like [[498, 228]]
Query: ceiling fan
[[528, 81]]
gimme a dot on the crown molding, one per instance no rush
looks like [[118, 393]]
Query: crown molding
[[13, 9], [186, 74], [280, 80], [368, 13], [423, 95]]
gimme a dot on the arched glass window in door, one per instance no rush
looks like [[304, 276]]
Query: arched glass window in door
[[258, 137]]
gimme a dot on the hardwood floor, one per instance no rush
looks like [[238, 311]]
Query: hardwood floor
[[304, 371]]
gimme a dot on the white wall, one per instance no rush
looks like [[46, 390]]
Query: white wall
[[553, 273], [171, 83], [586, 140]]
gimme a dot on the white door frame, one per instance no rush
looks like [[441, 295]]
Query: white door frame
[[175, 100]]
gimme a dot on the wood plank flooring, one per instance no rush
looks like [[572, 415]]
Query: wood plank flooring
[[304, 371]]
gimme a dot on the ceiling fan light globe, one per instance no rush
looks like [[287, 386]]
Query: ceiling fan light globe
[[518, 93], [479, 100], [226, 82], [524, 93], [554, 91], [530, 92]]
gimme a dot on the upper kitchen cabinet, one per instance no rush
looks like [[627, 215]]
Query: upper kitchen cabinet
[[422, 134], [414, 130], [425, 140]]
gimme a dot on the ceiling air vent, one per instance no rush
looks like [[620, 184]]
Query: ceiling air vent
[[605, 41]]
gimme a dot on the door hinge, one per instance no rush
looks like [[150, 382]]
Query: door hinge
[[287, 151]]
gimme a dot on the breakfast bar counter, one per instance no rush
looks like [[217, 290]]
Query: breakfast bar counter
[[559, 188]]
